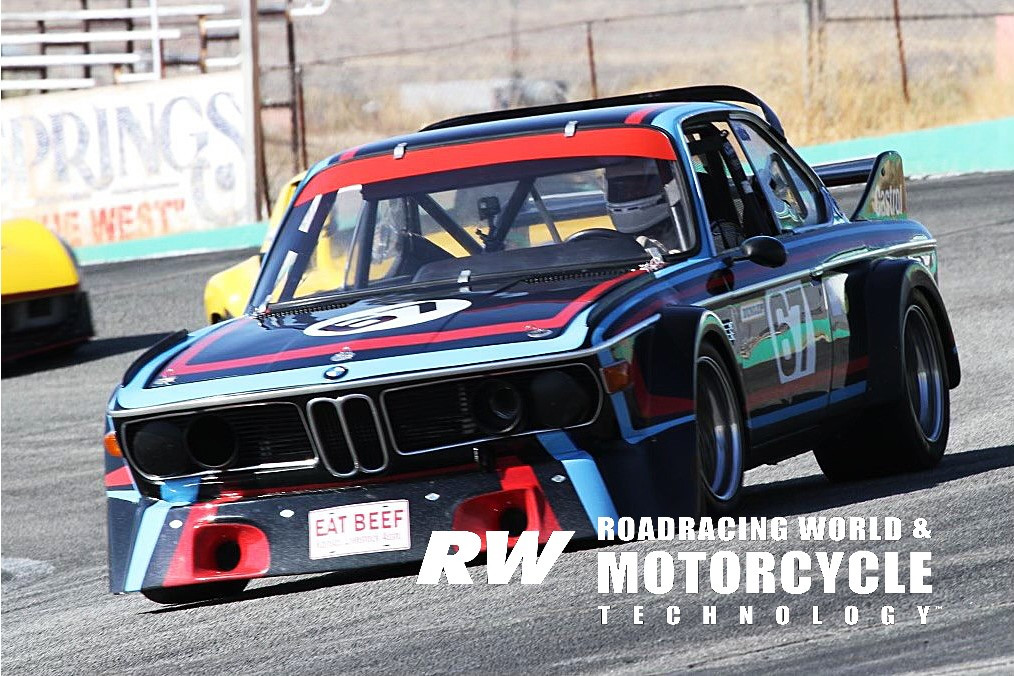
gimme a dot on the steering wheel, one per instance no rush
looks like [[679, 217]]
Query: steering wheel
[[595, 233]]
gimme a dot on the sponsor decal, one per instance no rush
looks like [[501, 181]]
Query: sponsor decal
[[749, 311], [791, 326], [730, 330], [387, 317], [887, 202]]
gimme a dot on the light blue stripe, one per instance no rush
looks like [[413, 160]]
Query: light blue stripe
[[583, 473], [654, 289], [853, 390], [180, 491], [787, 412], [144, 545], [136, 396], [129, 495], [634, 436]]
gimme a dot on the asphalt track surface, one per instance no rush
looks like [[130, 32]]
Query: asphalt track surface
[[58, 618]]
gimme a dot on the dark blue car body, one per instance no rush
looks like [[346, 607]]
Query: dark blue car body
[[809, 346]]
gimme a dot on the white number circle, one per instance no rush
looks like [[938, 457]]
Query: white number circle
[[386, 317]]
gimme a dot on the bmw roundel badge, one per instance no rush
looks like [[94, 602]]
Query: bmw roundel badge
[[335, 372]]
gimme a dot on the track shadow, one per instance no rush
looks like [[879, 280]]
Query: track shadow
[[780, 498], [303, 585], [814, 493], [97, 348]]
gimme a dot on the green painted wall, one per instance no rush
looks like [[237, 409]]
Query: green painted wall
[[963, 148]]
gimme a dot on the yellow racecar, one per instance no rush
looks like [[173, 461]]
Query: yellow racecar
[[226, 293], [44, 307]]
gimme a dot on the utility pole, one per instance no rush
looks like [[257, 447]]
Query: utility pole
[[249, 48], [592, 72], [902, 65]]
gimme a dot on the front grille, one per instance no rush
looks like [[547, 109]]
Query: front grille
[[439, 415], [334, 449], [272, 433], [364, 433], [433, 416], [266, 435], [348, 434]]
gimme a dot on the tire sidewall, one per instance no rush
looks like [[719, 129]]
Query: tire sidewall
[[923, 452], [710, 503]]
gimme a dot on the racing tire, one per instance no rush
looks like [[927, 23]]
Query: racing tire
[[195, 593], [910, 433], [721, 440]]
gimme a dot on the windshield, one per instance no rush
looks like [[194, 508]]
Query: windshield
[[495, 219]]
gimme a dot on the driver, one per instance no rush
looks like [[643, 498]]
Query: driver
[[638, 205]]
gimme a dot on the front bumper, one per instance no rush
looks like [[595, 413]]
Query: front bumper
[[41, 323], [157, 543]]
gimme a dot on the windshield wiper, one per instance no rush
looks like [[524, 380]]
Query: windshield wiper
[[351, 295], [473, 280]]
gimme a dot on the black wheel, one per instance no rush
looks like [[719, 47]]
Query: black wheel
[[910, 433], [195, 593], [720, 433]]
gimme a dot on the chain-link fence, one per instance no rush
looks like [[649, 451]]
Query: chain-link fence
[[833, 68]]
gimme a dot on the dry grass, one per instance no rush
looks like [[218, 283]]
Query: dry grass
[[859, 93], [855, 92]]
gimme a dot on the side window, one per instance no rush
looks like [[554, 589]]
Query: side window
[[723, 200], [797, 201]]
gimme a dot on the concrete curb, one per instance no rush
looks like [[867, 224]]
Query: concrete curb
[[957, 149]]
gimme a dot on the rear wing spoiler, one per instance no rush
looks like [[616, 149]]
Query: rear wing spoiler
[[883, 198]]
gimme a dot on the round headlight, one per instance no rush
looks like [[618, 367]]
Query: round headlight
[[558, 400], [157, 449], [497, 406], [211, 441]]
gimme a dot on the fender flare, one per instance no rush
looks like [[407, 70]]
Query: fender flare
[[692, 325], [658, 475], [889, 285]]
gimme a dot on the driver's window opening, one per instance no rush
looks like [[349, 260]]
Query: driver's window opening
[[712, 156], [796, 200], [510, 218]]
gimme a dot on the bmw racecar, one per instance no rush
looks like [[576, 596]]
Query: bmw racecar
[[44, 306], [523, 321]]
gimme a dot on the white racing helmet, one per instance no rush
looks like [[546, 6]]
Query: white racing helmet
[[634, 196]]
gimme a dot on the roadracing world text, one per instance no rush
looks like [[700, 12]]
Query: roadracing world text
[[681, 573]]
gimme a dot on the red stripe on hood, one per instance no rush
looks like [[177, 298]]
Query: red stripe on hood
[[182, 366]]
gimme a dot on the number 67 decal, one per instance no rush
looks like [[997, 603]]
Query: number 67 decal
[[792, 335]]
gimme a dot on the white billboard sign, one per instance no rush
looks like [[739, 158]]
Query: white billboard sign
[[129, 161]]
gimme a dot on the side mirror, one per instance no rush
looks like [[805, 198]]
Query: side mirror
[[762, 250]]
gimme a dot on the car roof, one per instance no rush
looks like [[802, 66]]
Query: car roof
[[529, 124], [534, 124], [640, 109]]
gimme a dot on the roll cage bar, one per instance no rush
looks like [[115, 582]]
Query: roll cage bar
[[699, 93]]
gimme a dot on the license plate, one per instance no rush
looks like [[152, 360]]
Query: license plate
[[359, 529]]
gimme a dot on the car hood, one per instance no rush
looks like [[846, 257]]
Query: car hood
[[394, 332]]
